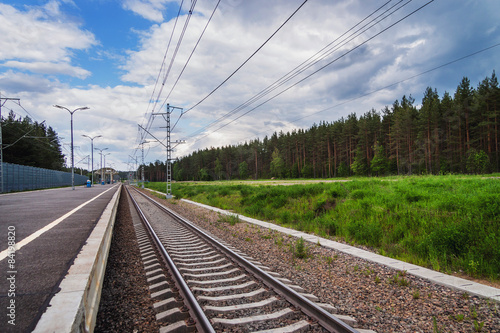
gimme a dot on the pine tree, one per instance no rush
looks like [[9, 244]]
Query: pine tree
[[243, 170], [218, 169], [277, 164], [379, 162], [360, 164], [428, 119]]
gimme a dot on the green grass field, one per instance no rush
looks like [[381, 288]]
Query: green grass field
[[448, 223]]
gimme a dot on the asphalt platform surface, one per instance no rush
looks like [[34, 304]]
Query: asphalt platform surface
[[48, 228]]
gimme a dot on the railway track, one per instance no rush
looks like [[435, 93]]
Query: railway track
[[198, 283]]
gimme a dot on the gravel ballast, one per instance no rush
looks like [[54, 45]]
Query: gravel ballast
[[126, 304], [379, 298]]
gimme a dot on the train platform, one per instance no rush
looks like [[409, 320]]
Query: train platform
[[44, 234]]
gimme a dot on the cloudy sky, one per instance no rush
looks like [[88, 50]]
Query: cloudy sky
[[125, 59]]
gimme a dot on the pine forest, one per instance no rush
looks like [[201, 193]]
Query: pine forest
[[31, 143], [456, 133]]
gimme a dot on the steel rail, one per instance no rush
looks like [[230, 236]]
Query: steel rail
[[201, 321], [324, 318]]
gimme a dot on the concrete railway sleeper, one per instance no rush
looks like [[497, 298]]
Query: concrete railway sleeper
[[176, 308], [232, 292]]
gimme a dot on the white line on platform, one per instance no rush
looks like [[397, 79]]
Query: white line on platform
[[49, 226]]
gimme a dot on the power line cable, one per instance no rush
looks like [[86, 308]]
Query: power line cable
[[391, 85], [179, 42], [320, 69], [327, 51], [12, 111], [192, 52], [166, 52], [22, 107], [247, 60], [401, 81], [163, 62], [21, 137], [150, 118]]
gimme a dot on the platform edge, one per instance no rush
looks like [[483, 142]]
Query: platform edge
[[74, 308]]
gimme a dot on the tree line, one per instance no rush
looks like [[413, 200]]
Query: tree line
[[30, 143], [456, 133]]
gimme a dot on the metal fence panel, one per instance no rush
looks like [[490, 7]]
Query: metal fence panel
[[21, 177]]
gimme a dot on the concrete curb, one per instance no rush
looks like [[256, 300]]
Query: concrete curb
[[453, 282], [74, 308]]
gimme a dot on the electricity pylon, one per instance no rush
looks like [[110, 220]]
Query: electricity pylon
[[168, 145]]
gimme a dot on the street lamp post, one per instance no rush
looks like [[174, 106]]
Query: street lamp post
[[72, 156], [100, 152], [92, 150], [105, 166]]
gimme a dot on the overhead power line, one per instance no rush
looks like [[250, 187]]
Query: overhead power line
[[311, 61], [192, 52], [21, 137], [320, 69], [247, 60], [401, 81], [22, 107], [179, 42], [174, 55], [392, 84], [165, 55]]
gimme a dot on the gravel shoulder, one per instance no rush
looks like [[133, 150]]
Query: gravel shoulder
[[126, 304], [380, 298]]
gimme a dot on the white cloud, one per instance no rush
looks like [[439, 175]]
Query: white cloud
[[41, 35], [151, 10], [419, 43], [50, 68], [113, 113], [15, 83], [235, 33]]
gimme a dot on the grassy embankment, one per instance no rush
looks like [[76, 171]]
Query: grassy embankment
[[448, 223]]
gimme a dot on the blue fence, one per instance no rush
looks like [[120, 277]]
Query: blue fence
[[20, 178]]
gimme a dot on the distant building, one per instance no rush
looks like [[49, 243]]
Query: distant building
[[107, 174]]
